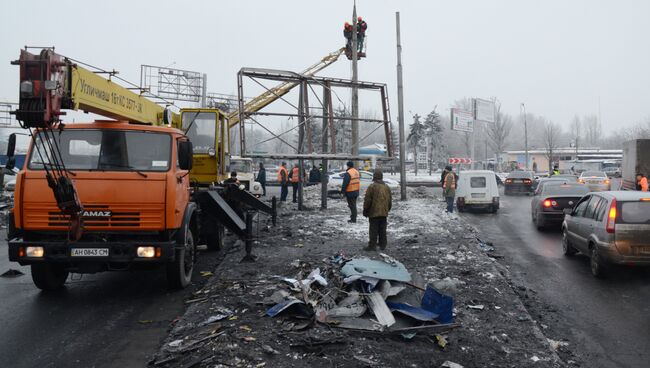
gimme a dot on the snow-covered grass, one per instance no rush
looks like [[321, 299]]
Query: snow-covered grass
[[422, 177]]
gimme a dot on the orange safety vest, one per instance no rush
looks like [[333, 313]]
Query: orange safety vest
[[453, 180], [286, 174], [644, 184], [295, 175], [355, 182]]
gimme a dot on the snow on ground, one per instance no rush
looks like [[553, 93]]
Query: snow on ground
[[422, 177]]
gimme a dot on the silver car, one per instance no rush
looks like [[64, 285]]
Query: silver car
[[597, 181], [609, 227]]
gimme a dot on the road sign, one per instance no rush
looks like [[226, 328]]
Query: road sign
[[462, 120], [484, 110], [458, 160]]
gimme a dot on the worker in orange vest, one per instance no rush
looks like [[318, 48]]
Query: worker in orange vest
[[350, 188], [641, 182], [283, 179], [294, 175]]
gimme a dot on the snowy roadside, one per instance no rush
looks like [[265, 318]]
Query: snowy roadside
[[225, 323]]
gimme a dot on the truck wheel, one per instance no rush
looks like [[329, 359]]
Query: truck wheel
[[215, 240], [48, 277], [179, 272]]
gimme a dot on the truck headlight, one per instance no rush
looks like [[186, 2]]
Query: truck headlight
[[34, 252], [146, 252], [212, 152]]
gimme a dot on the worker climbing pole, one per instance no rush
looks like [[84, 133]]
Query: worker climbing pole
[[348, 32]]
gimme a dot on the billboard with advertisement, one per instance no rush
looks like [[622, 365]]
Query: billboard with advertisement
[[462, 120]]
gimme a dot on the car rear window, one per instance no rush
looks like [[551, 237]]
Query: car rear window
[[520, 175], [594, 173], [635, 213], [477, 182], [563, 189]]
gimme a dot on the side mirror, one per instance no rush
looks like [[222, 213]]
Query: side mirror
[[185, 155], [11, 150], [567, 211]]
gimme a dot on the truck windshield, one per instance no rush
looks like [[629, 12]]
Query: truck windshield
[[114, 150], [241, 166], [202, 130]]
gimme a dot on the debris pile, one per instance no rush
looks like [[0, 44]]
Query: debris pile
[[362, 294]]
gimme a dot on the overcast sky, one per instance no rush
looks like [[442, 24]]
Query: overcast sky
[[558, 57]]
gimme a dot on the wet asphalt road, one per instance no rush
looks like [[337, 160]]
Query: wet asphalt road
[[113, 319], [607, 322]]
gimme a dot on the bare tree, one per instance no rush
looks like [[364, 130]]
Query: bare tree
[[593, 129], [552, 135], [499, 131]]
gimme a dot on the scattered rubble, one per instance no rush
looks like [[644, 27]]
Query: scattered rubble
[[435, 293]]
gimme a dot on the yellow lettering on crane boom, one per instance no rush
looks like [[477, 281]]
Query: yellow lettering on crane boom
[[93, 93]]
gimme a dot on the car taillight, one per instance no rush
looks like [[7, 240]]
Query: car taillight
[[508, 180], [527, 181], [611, 217], [606, 181], [547, 203]]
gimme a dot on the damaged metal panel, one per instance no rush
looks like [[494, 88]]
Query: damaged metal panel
[[376, 269], [380, 309]]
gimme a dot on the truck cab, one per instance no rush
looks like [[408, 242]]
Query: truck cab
[[244, 168], [133, 183]]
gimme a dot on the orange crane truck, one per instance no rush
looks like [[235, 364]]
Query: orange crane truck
[[114, 194]]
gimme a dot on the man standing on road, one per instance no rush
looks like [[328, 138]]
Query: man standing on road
[[261, 178], [294, 175], [314, 175], [232, 179], [283, 179], [641, 182], [350, 187], [377, 202], [449, 188]]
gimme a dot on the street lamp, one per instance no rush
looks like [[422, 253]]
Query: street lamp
[[523, 108]]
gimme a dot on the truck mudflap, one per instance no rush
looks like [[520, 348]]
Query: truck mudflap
[[91, 252]]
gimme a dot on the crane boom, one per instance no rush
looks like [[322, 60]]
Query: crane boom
[[259, 102], [51, 82]]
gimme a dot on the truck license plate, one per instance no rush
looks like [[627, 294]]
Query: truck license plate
[[89, 252]]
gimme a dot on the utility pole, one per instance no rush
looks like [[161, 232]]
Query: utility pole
[[400, 112], [523, 107], [355, 90]]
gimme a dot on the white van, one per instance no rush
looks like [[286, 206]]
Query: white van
[[477, 189]]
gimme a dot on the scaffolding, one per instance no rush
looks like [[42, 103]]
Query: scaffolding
[[303, 111]]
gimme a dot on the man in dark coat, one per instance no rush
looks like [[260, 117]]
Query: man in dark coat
[[314, 175], [261, 178], [376, 204]]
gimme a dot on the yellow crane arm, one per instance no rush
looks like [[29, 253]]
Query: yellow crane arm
[[93, 93], [259, 102]]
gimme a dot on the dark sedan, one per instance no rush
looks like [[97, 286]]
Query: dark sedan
[[519, 182], [550, 200], [556, 178]]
